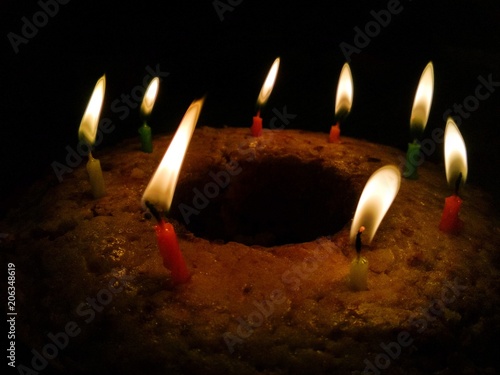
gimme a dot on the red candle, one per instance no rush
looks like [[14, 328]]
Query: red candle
[[256, 128], [455, 157], [171, 253], [334, 133], [450, 223], [343, 102]]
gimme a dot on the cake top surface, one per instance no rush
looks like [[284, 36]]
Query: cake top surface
[[72, 246]]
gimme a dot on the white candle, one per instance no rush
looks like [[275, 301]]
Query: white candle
[[87, 134], [376, 198], [358, 275], [95, 177]]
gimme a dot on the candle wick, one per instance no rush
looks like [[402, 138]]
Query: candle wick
[[154, 212], [457, 183], [358, 240]]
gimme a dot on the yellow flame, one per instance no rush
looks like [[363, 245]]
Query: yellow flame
[[376, 198], [343, 99], [90, 119], [150, 96], [423, 100], [455, 154], [268, 85], [160, 190]]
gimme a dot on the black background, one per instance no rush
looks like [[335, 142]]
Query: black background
[[46, 85]]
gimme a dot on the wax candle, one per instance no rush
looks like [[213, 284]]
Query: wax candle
[[413, 158], [358, 275], [455, 155], [87, 134], [265, 92], [96, 179], [343, 102], [256, 128], [146, 138], [159, 193], [171, 253], [146, 108], [376, 198], [450, 223], [418, 120], [334, 133]]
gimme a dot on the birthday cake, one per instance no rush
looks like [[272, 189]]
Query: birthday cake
[[263, 224]]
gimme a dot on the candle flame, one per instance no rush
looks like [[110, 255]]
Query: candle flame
[[268, 85], [90, 119], [376, 198], [455, 154], [423, 100], [150, 97], [160, 190], [343, 99]]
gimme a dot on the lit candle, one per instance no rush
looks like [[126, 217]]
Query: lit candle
[[418, 120], [160, 191], [358, 274], [265, 92], [343, 102], [95, 176], [87, 134], [455, 156], [146, 107], [376, 198]]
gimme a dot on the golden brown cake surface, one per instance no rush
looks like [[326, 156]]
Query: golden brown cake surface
[[268, 292]]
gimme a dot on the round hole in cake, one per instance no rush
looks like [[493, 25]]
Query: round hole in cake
[[273, 201]]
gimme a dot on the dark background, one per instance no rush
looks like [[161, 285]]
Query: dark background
[[47, 84]]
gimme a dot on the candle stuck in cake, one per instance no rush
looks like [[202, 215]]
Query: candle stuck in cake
[[265, 92], [455, 155], [358, 274], [160, 191], [418, 120], [146, 108], [87, 134], [376, 198], [343, 102]]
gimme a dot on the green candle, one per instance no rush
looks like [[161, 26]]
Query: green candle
[[146, 139], [146, 107], [418, 120], [413, 160]]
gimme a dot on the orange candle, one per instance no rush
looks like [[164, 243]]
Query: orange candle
[[334, 133], [343, 102], [171, 253], [265, 91], [256, 128]]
